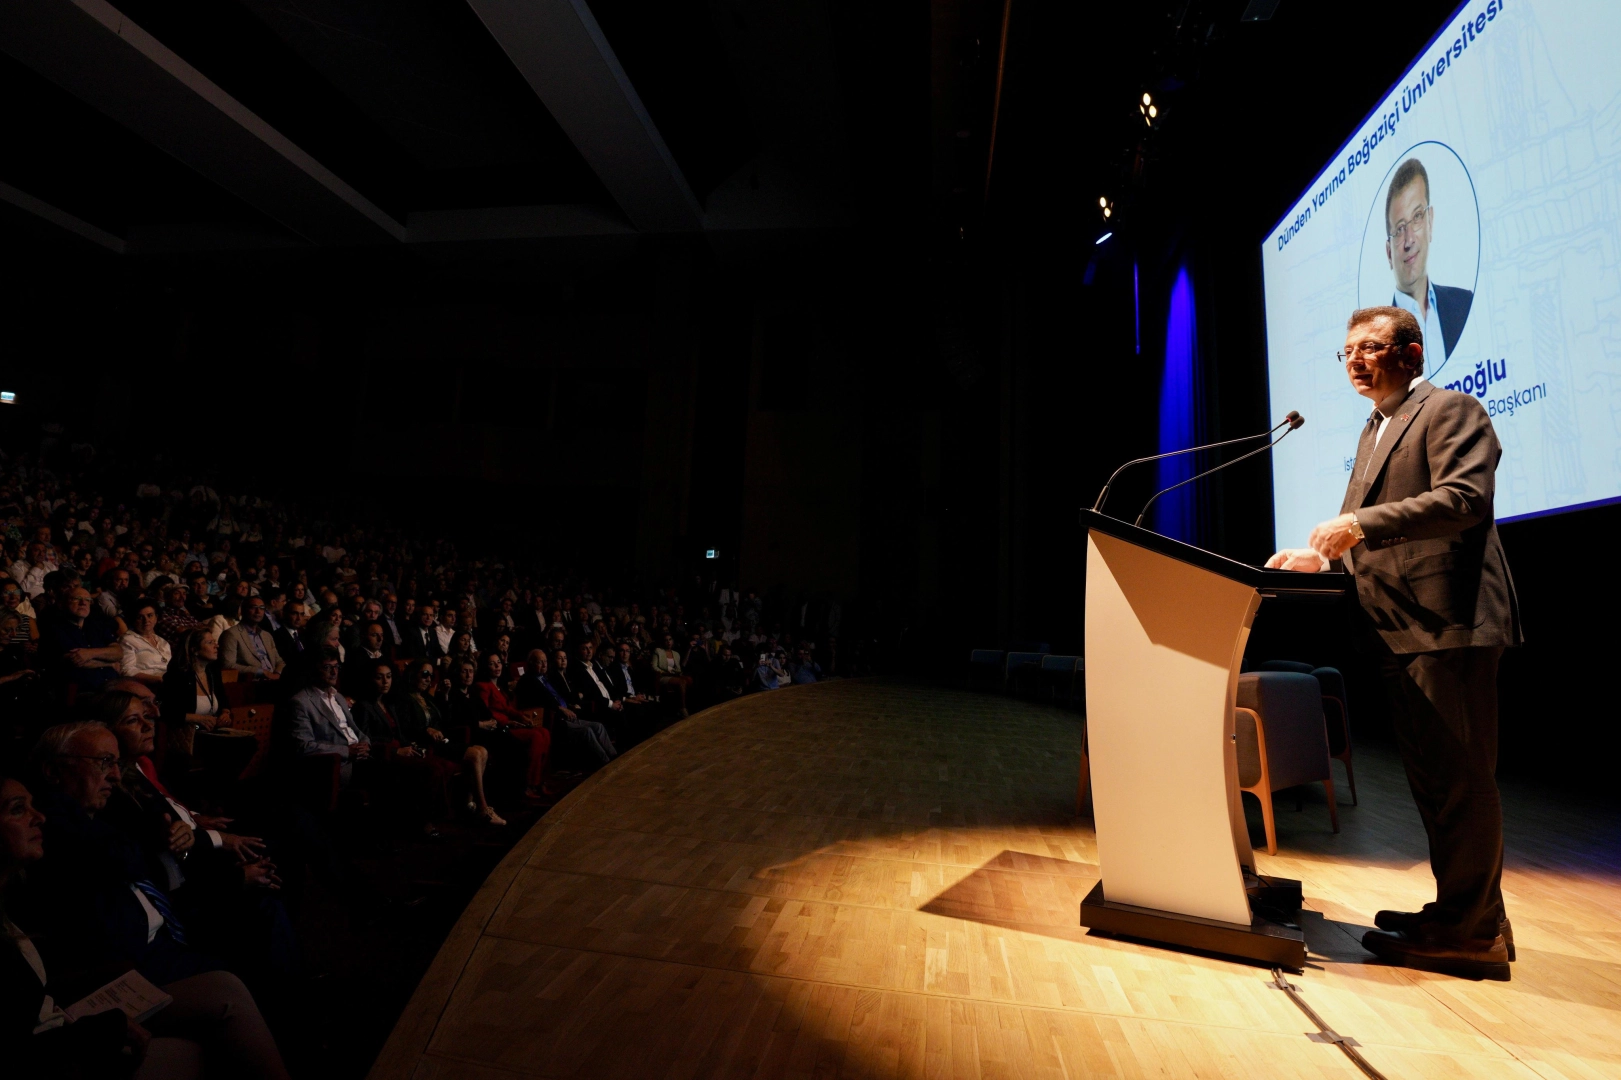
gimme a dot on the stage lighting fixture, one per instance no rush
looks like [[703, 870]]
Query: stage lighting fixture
[[1153, 110], [1107, 211], [8, 397], [1103, 200], [1104, 237], [1148, 99], [711, 553]]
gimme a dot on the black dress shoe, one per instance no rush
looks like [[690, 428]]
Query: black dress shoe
[[1412, 920], [1425, 950]]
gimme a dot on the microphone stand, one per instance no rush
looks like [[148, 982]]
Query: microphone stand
[[1138, 523], [1097, 507]]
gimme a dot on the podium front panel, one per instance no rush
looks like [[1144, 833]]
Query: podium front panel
[[1163, 644]]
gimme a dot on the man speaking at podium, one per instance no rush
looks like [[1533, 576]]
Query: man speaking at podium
[[1417, 531]]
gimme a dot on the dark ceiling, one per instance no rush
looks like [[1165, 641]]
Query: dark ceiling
[[171, 125]]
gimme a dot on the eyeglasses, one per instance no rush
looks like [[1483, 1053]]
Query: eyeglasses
[[107, 763], [1365, 350], [1414, 224]]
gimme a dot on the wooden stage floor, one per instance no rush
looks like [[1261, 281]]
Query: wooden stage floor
[[876, 879]]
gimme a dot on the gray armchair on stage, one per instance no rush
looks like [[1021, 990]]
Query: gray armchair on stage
[[1166, 625]]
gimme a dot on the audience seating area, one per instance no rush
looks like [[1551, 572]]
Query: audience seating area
[[207, 700]]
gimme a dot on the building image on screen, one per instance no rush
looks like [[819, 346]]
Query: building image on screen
[[1482, 193]]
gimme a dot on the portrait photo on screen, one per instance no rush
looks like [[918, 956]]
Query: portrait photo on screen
[[1421, 247], [1482, 192]]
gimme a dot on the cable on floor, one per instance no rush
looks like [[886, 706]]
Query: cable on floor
[[1329, 1034]]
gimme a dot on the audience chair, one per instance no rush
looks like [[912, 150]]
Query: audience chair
[[986, 667], [257, 719], [1336, 709], [1282, 741], [1057, 677], [1021, 668]]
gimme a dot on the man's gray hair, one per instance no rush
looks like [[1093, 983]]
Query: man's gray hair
[[54, 742]]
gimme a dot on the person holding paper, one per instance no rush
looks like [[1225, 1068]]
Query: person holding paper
[[1417, 530], [103, 1034]]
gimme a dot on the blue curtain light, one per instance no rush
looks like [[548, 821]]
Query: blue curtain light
[[1180, 426]]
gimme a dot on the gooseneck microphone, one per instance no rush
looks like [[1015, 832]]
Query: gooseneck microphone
[[1293, 420]]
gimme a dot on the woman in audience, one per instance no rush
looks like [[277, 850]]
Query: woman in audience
[[461, 648], [194, 707], [422, 721], [667, 668], [146, 655], [212, 1018], [518, 726], [420, 778]]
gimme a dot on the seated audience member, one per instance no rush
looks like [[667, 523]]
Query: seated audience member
[[224, 889], [249, 647], [79, 646], [446, 628], [98, 897], [212, 1017], [369, 651], [422, 639], [805, 668], [595, 691], [291, 644], [667, 669], [461, 648], [144, 654], [370, 612], [616, 660], [516, 725], [421, 721], [322, 722], [418, 778], [29, 573], [194, 706], [535, 691], [728, 678], [767, 675], [391, 620], [176, 619]]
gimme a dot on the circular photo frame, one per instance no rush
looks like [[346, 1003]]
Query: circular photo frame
[[1447, 246]]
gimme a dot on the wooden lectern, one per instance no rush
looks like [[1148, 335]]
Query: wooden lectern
[[1166, 626]]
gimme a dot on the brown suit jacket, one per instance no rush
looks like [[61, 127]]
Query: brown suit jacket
[[1430, 573]]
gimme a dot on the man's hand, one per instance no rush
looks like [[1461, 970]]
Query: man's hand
[[210, 821], [180, 836], [360, 751], [1333, 538], [406, 752], [1303, 560], [261, 874], [245, 848]]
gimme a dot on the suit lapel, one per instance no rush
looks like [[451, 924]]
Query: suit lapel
[[1406, 412]]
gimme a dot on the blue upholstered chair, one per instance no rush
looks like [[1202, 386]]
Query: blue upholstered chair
[[1282, 740], [1336, 710]]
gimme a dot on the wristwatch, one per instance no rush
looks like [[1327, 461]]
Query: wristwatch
[[1356, 529]]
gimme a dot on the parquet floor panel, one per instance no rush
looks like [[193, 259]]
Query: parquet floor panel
[[877, 879]]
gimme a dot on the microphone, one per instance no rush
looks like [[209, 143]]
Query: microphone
[[1293, 420]]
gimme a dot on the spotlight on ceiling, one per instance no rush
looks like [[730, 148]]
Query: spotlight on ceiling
[[1103, 201], [1148, 99], [1104, 237]]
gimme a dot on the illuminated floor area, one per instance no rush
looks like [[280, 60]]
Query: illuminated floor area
[[872, 879]]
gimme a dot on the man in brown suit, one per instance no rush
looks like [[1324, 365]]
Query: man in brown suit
[[1417, 531]]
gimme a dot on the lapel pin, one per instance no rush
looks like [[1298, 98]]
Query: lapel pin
[[1403, 416]]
